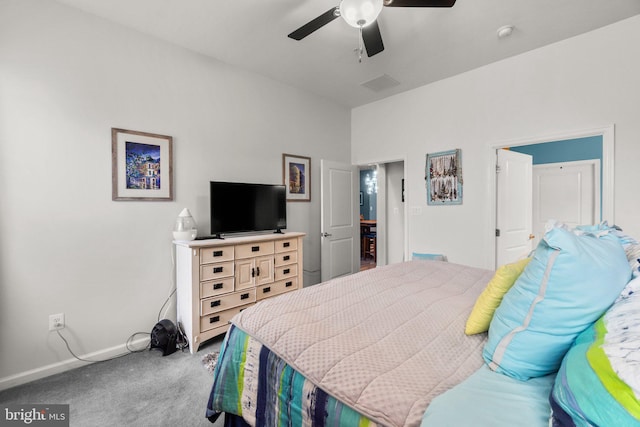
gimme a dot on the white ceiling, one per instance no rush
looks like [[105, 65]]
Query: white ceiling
[[422, 45]]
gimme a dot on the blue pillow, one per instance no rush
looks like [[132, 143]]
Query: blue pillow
[[432, 257], [488, 398], [571, 280]]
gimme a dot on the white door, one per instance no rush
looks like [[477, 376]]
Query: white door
[[514, 206], [339, 219], [567, 192]]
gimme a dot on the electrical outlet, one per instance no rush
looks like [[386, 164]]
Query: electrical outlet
[[56, 321]]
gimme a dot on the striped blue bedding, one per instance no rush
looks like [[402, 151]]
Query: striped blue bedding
[[252, 382], [598, 383]]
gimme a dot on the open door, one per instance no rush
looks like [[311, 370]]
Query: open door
[[514, 223], [339, 220]]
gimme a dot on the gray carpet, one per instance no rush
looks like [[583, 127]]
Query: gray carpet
[[140, 389]]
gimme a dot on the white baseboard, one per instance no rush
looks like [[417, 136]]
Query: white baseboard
[[67, 365]]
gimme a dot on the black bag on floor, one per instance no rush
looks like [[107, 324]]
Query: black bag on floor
[[163, 336]]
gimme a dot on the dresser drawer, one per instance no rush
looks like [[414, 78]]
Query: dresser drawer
[[216, 279], [286, 258], [224, 302], [216, 254], [285, 245], [216, 271], [285, 271], [254, 249], [216, 287], [276, 288], [219, 319]]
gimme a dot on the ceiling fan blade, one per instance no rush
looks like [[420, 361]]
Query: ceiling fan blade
[[372, 39], [314, 24], [419, 3]]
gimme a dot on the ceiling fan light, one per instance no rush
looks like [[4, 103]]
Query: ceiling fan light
[[360, 13]]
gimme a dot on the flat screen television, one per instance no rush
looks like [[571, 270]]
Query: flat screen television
[[242, 207]]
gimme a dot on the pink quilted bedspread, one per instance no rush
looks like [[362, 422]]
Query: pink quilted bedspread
[[385, 341]]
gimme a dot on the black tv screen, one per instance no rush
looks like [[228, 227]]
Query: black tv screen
[[241, 207]]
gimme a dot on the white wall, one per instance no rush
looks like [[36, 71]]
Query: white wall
[[395, 212], [586, 82], [67, 78]]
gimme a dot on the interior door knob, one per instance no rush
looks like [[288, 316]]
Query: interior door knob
[[326, 235], [531, 236]]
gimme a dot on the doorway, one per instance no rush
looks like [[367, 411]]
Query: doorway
[[339, 200], [594, 147], [368, 217], [383, 208]]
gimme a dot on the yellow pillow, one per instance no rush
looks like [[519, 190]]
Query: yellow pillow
[[491, 297]]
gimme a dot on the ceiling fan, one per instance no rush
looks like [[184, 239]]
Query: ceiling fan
[[362, 14]]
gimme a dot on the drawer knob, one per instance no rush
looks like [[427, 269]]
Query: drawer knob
[[214, 319], [286, 244], [217, 253], [244, 296], [218, 269], [255, 248], [266, 290], [288, 284], [286, 258], [218, 286], [215, 303], [286, 271]]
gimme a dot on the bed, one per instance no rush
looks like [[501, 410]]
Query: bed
[[354, 348], [388, 346]]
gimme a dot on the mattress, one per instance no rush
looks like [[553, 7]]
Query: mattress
[[377, 346]]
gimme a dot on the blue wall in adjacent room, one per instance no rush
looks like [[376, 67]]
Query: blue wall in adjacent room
[[369, 201], [569, 150]]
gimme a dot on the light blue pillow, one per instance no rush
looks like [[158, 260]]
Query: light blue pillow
[[432, 257], [571, 280], [488, 398]]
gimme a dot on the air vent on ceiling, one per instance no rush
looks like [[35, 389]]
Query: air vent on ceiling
[[380, 83]]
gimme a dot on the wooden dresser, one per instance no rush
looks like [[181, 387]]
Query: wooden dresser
[[216, 279]]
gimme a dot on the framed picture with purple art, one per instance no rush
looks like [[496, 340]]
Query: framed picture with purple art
[[142, 165], [296, 175]]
